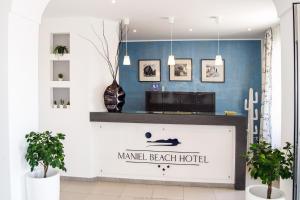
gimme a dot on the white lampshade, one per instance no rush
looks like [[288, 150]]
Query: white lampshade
[[126, 60], [218, 61], [171, 60]]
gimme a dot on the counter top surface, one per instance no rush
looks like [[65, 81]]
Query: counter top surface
[[168, 118]]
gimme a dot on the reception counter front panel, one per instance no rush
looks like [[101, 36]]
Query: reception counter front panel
[[195, 151]]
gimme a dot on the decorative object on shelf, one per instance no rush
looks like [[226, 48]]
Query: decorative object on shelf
[[149, 70], [212, 73], [68, 104], [43, 182], [268, 165], [62, 103], [60, 77], [218, 60], [60, 50], [155, 86], [55, 104], [114, 95], [171, 59], [181, 71], [126, 60], [249, 106]]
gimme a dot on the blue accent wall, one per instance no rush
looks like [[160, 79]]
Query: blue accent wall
[[242, 71]]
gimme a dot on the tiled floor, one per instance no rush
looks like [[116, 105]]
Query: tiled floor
[[75, 190]]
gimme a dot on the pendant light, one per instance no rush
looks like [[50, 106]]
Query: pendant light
[[219, 60], [126, 60], [171, 59]]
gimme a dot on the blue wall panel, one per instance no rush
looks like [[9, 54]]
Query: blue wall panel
[[242, 71]]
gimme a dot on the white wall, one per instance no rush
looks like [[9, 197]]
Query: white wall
[[285, 12], [4, 134], [89, 76], [22, 95]]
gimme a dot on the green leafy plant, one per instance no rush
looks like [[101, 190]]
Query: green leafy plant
[[55, 102], [68, 103], [270, 164], [60, 50], [45, 150], [60, 76], [62, 102]]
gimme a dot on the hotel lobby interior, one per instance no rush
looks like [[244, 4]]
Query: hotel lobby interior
[[149, 100]]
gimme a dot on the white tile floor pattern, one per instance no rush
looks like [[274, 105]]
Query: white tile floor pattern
[[79, 190]]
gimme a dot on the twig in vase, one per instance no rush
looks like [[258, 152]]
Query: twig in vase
[[103, 51]]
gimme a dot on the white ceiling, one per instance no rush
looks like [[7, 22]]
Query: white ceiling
[[148, 16]]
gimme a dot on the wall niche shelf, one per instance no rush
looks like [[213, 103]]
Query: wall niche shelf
[[60, 67], [60, 39], [60, 84], [58, 57], [60, 64], [60, 94]]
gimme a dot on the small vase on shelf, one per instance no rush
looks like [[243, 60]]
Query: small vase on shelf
[[60, 77], [62, 104], [55, 104]]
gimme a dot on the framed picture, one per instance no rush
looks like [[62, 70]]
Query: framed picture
[[182, 70], [212, 73], [149, 70]]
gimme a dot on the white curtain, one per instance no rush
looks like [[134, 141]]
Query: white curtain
[[266, 96], [276, 85]]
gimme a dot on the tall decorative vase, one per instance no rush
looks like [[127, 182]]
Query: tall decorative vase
[[114, 97]]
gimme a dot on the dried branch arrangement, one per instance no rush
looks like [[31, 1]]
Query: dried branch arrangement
[[102, 48]]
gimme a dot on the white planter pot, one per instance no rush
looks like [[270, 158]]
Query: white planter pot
[[60, 79], [55, 106], [43, 188], [259, 192]]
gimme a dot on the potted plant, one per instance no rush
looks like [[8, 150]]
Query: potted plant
[[68, 104], [44, 151], [62, 103], [60, 50], [268, 165], [55, 104], [60, 77]]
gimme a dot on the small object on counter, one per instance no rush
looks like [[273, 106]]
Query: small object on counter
[[155, 87], [230, 113]]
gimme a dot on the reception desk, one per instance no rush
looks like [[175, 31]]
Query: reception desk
[[171, 146]]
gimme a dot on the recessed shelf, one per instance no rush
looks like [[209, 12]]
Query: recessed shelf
[[59, 57], [60, 39], [60, 84], [60, 94], [60, 67]]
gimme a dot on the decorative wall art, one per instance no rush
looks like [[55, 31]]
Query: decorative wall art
[[181, 71], [149, 70], [212, 73]]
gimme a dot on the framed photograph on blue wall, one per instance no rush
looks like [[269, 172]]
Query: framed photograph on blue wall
[[182, 70], [211, 73], [149, 70]]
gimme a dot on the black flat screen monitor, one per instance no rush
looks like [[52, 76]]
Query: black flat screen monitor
[[180, 101]]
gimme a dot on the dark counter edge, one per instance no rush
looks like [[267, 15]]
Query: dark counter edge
[[240, 123]]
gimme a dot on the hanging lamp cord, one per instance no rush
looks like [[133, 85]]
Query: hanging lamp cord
[[218, 41], [126, 38], [171, 38]]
